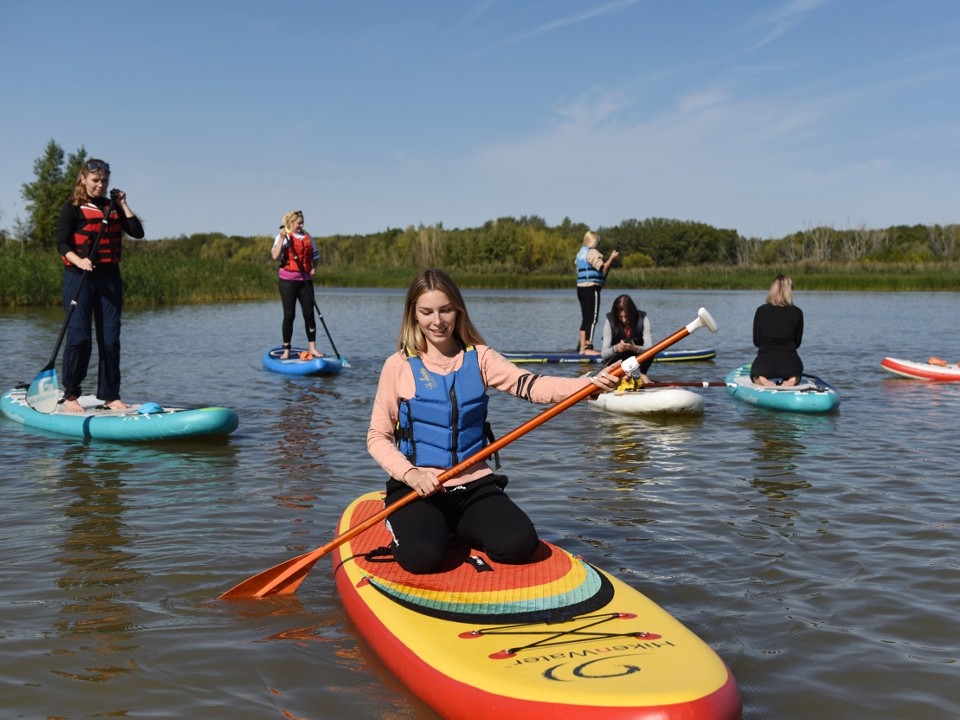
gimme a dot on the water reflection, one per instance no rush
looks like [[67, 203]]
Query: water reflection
[[100, 575], [302, 422], [779, 447], [647, 449]]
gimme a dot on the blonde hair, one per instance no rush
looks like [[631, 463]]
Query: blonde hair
[[591, 239], [89, 167], [287, 222], [781, 291], [411, 337]]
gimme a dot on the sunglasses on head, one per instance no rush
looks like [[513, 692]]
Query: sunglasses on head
[[97, 166]]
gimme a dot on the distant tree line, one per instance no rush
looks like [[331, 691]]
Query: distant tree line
[[512, 245]]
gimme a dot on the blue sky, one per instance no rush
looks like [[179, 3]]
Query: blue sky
[[764, 116]]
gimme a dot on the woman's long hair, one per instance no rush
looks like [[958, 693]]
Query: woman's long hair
[[411, 337], [781, 291], [624, 302], [91, 166]]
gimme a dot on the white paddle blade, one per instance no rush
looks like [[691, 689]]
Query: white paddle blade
[[44, 391]]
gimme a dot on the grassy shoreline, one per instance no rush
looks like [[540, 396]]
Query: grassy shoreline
[[30, 278]]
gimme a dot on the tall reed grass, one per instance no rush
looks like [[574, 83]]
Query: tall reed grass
[[155, 275]]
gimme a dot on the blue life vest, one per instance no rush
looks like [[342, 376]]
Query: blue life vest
[[585, 271], [446, 419]]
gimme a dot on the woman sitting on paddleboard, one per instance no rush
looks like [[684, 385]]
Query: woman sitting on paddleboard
[[430, 414], [293, 248], [626, 333], [94, 279], [777, 333]]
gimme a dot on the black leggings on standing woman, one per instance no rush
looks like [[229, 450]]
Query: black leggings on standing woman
[[290, 292], [589, 298]]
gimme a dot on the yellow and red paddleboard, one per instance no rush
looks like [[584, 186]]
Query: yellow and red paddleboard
[[555, 638]]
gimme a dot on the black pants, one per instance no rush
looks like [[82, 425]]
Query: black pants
[[589, 298], [292, 291], [479, 512], [99, 303]]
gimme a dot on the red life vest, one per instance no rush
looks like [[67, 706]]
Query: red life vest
[[109, 247], [303, 247]]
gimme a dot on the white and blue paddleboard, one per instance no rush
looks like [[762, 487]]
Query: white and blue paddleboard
[[143, 422], [650, 401], [811, 395]]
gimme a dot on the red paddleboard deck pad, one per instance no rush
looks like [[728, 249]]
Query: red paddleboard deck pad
[[554, 638]]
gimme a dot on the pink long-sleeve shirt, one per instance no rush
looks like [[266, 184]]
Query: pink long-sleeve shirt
[[397, 383]]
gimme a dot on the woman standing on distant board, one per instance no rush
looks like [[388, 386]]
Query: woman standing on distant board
[[96, 275], [293, 248], [591, 274], [777, 333]]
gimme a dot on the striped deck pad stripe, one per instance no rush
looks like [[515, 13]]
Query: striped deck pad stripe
[[475, 588]]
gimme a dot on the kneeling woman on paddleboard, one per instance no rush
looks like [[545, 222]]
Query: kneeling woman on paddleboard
[[777, 333], [430, 414], [626, 333]]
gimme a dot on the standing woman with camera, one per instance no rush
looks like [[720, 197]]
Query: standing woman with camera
[[92, 274]]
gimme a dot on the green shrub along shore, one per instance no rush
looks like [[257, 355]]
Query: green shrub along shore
[[511, 254]]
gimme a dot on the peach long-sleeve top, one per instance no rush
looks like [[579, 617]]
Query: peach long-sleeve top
[[397, 383]]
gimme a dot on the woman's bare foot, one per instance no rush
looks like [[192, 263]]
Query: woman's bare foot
[[72, 405], [117, 404]]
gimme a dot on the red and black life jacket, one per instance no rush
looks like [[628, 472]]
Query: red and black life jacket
[[109, 248], [303, 247]]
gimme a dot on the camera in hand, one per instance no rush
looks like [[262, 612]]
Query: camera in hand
[[114, 194]]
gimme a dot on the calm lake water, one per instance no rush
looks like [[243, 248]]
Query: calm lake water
[[818, 555]]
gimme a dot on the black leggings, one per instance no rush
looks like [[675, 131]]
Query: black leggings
[[480, 512], [290, 292], [589, 298]]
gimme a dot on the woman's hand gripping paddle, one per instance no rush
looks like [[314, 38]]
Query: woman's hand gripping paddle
[[313, 296], [43, 393], [286, 577]]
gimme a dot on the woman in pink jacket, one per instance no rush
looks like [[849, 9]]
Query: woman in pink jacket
[[430, 414]]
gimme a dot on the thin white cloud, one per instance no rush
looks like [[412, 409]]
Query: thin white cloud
[[780, 20], [605, 9], [475, 12]]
